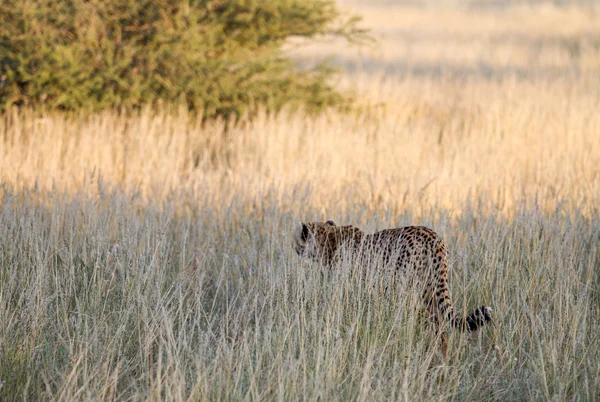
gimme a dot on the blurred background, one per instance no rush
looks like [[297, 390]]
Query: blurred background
[[428, 103]]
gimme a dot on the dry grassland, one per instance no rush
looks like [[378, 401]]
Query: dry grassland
[[148, 256]]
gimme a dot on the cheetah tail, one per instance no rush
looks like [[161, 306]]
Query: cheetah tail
[[473, 321]]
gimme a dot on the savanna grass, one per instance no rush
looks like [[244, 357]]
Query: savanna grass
[[148, 255], [105, 299]]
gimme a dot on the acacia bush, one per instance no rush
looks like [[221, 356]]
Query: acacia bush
[[218, 57]]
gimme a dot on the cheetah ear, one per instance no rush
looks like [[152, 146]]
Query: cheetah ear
[[332, 223], [302, 232]]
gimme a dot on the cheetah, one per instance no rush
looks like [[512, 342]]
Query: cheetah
[[415, 249]]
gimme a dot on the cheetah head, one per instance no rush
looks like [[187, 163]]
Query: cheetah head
[[319, 241]]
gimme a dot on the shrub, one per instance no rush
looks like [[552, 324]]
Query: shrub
[[218, 57]]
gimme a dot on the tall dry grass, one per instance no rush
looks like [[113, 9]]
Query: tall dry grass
[[107, 298], [501, 143], [147, 256]]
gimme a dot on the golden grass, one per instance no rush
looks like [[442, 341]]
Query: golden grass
[[147, 257], [507, 142]]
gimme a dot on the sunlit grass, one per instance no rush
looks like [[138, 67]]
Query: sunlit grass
[[501, 142]]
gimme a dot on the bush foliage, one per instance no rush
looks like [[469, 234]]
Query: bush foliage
[[218, 57]]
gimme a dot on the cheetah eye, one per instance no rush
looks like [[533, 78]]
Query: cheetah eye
[[332, 223]]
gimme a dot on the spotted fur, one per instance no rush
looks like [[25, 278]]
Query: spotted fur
[[415, 249]]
